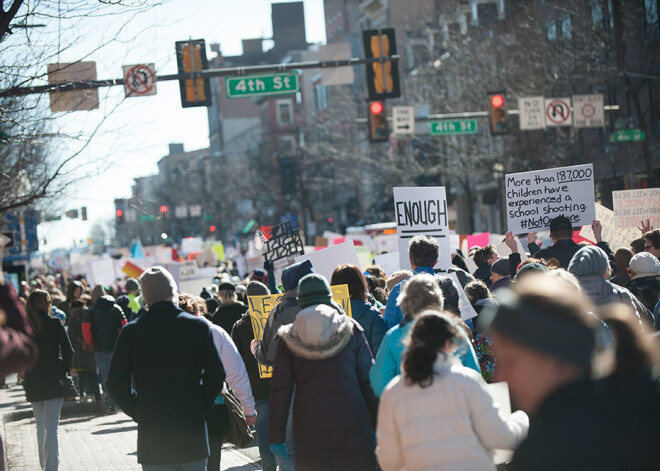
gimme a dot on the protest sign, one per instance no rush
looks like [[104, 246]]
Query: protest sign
[[500, 394], [389, 262], [534, 198], [326, 260], [364, 256], [467, 311], [614, 237], [631, 207], [422, 210], [386, 243], [284, 243], [480, 240], [100, 271], [260, 307], [191, 245]]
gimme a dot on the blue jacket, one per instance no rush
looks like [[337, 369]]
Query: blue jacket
[[393, 315], [368, 316], [388, 360]]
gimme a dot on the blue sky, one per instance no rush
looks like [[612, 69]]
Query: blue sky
[[136, 134]]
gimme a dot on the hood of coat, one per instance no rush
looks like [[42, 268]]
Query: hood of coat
[[597, 288], [105, 302], [319, 332], [294, 273]]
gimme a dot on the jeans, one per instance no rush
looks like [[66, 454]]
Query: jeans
[[47, 417], [89, 383], [267, 457], [103, 363], [287, 463], [199, 465]]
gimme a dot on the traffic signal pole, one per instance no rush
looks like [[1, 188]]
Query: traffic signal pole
[[208, 73]]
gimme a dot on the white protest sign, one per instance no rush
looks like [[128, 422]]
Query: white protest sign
[[614, 237], [100, 271], [175, 269], [500, 394], [534, 198], [188, 270], [403, 120], [588, 111], [389, 262], [326, 260], [631, 207], [191, 245], [467, 311], [387, 243], [558, 112], [532, 113], [422, 210]]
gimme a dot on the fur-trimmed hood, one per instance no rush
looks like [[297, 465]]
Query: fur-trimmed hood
[[318, 333]]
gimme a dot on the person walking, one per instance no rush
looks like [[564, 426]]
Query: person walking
[[365, 313], [460, 430], [100, 329], [645, 280], [84, 363], [165, 374], [325, 358], [44, 381], [230, 309]]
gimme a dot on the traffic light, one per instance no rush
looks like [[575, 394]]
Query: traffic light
[[191, 57], [163, 210], [377, 120], [498, 118], [382, 77], [212, 228], [83, 213], [120, 215]]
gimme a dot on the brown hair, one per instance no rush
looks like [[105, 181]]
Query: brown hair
[[351, 275], [481, 256], [192, 304], [428, 336], [622, 258], [37, 306]]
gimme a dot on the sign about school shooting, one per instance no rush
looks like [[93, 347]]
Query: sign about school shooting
[[422, 210], [534, 198], [631, 207]]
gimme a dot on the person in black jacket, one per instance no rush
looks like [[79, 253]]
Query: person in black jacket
[[230, 309], [101, 329], [176, 368], [42, 381]]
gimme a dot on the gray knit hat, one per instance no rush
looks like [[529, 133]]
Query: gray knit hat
[[255, 288], [589, 260], [158, 285], [501, 266]]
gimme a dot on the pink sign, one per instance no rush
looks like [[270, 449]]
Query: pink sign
[[480, 240]]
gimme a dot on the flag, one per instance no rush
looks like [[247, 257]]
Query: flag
[[259, 240], [136, 250], [132, 270]]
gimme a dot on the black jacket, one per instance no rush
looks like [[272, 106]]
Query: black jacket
[[564, 249], [226, 316], [177, 371], [55, 356], [242, 334], [106, 319]]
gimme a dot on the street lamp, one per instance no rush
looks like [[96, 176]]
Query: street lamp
[[498, 172], [163, 236]]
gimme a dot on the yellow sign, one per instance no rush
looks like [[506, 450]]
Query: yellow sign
[[260, 307]]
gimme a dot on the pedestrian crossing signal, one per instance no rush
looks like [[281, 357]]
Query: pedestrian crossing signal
[[498, 117], [382, 77], [377, 120], [191, 57]]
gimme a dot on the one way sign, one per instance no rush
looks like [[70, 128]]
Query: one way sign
[[403, 119]]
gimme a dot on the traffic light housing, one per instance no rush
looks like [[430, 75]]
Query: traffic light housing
[[83, 213], [382, 77], [498, 117], [120, 210], [191, 57], [377, 120]]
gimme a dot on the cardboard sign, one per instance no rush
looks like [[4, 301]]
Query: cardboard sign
[[534, 198], [422, 210], [100, 271], [615, 237], [260, 307], [389, 262], [326, 260], [467, 311], [364, 256], [284, 243], [631, 207]]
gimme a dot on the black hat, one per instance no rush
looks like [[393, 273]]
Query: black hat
[[560, 223], [226, 286], [501, 267]]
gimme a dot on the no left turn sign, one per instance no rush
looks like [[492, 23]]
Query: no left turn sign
[[139, 80], [558, 112]]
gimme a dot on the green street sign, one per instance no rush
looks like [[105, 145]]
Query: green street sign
[[146, 217], [262, 85], [452, 127], [628, 135]]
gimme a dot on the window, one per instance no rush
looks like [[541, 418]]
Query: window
[[321, 97], [284, 112], [551, 31], [565, 28], [651, 19], [597, 16]]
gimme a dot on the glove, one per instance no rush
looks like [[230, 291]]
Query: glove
[[279, 449]]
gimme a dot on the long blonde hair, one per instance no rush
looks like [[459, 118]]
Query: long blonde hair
[[38, 305]]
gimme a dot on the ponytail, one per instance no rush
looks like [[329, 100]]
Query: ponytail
[[428, 337]]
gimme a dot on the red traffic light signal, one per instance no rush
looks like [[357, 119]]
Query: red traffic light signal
[[498, 116], [212, 228], [377, 122], [163, 209], [497, 101], [377, 107], [119, 213]]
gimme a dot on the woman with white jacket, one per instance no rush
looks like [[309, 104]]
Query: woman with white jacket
[[438, 415], [236, 377]]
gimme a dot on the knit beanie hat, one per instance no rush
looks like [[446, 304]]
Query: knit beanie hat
[[132, 285], [501, 266], [158, 285], [531, 267], [255, 288], [589, 260], [205, 294], [313, 289], [644, 264]]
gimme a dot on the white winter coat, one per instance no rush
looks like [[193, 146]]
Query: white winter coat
[[451, 425], [236, 374]]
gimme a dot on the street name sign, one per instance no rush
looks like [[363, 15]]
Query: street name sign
[[628, 135], [262, 85], [403, 119], [453, 127]]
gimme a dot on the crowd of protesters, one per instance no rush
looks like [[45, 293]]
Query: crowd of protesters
[[400, 384]]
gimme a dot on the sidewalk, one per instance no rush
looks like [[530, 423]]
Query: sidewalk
[[86, 442]]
